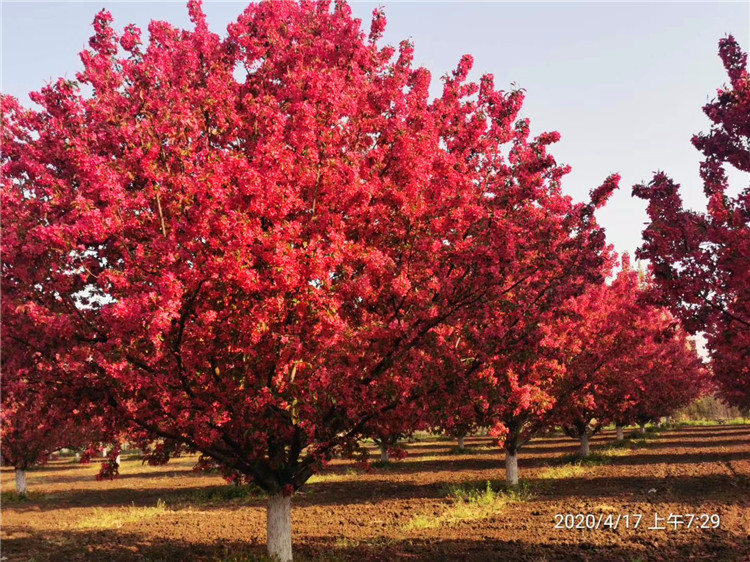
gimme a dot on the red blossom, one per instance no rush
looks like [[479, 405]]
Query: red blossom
[[700, 259]]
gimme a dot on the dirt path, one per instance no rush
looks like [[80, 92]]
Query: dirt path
[[405, 511]]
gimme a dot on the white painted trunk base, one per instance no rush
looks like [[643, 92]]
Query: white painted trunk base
[[584, 450], [620, 433], [643, 429], [383, 453], [279, 527], [20, 482], [460, 442], [117, 460], [511, 468]]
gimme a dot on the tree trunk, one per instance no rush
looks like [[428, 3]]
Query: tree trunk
[[620, 433], [511, 468], [383, 452], [105, 450], [279, 527], [78, 456], [461, 442], [117, 460], [584, 450], [20, 482], [643, 429]]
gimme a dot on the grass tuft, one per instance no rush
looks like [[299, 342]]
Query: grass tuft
[[114, 519], [597, 458], [332, 476], [637, 443], [12, 498], [561, 472], [470, 503]]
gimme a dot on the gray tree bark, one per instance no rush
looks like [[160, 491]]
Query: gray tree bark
[[583, 451], [620, 433], [21, 482], [511, 468], [383, 453]]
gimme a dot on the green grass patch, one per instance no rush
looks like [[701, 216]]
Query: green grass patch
[[332, 476], [596, 458], [419, 436], [561, 472], [640, 443], [12, 498], [470, 502], [655, 429], [703, 423], [114, 519]]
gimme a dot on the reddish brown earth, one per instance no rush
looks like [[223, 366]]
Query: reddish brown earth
[[350, 515]]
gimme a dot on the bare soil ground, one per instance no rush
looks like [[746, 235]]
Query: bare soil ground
[[405, 511]]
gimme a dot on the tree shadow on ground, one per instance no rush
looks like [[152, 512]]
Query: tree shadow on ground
[[693, 490], [167, 473], [529, 458], [723, 488], [714, 443], [118, 496], [692, 435], [117, 546], [638, 458]]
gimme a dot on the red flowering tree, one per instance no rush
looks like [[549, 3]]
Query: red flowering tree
[[453, 409], [34, 427], [389, 430], [507, 353], [700, 259], [257, 268], [44, 408], [39, 417], [28, 435], [595, 332], [458, 416], [625, 359], [668, 376], [562, 255]]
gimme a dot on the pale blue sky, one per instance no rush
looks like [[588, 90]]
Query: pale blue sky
[[623, 83]]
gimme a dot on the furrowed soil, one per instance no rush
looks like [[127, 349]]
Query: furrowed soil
[[410, 509]]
